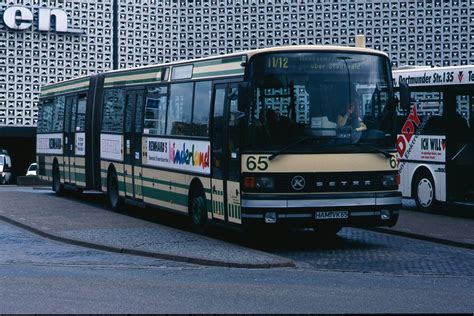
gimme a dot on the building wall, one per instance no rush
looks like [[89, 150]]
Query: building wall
[[154, 31], [29, 58]]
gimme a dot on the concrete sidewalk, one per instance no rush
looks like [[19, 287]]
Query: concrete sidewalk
[[82, 221], [449, 225]]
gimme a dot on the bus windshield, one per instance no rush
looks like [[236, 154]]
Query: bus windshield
[[313, 100]]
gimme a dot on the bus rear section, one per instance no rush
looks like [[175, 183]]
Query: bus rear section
[[319, 140], [435, 140], [65, 134]]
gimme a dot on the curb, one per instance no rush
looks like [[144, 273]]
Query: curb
[[149, 254], [31, 181], [423, 237]]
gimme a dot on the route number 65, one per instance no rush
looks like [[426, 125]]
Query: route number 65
[[260, 163]]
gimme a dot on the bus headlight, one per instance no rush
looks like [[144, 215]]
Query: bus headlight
[[266, 183], [391, 180], [259, 183]]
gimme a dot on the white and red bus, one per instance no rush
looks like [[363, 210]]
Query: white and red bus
[[435, 144]]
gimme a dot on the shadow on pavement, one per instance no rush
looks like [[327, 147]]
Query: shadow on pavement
[[262, 239]]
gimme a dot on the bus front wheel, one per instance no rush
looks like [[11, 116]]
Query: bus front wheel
[[424, 192], [198, 212], [113, 196]]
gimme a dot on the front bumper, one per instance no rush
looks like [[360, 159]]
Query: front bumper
[[364, 209]]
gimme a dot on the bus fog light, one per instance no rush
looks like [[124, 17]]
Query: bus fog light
[[270, 217], [389, 180], [385, 214]]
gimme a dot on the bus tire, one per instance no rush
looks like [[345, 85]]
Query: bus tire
[[424, 191], [198, 212], [114, 201], [57, 187]]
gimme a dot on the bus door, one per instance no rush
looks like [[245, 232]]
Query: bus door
[[460, 161], [69, 141], [226, 154], [133, 144]]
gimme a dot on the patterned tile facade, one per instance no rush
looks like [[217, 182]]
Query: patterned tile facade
[[414, 32], [29, 58]]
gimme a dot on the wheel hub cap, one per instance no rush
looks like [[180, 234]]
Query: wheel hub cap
[[425, 192]]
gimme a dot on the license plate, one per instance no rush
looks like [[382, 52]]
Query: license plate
[[332, 214]]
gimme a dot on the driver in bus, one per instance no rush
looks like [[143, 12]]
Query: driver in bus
[[351, 115]]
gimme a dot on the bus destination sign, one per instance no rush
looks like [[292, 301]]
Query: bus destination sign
[[434, 76]]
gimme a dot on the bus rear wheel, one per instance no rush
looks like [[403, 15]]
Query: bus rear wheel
[[424, 192], [57, 187], [198, 213], [113, 196]]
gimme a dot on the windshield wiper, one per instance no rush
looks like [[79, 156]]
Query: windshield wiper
[[376, 149], [274, 155]]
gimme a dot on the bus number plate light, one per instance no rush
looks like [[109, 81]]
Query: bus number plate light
[[270, 217]]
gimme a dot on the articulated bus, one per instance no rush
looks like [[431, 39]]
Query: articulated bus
[[292, 136], [435, 144]]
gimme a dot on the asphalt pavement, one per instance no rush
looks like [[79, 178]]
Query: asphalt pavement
[[89, 224]]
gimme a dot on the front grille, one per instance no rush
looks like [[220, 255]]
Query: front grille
[[329, 182]]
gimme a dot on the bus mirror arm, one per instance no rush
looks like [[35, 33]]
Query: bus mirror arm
[[243, 96]]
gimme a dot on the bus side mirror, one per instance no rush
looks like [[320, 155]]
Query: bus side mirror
[[404, 96], [243, 96]]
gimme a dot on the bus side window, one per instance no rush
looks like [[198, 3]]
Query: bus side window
[[155, 110], [235, 120], [471, 114], [139, 112], [114, 102], [180, 109], [218, 127], [461, 117], [70, 117], [58, 116], [81, 113], [430, 108], [201, 109], [46, 115]]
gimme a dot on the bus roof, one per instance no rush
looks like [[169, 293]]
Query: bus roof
[[423, 76], [208, 67]]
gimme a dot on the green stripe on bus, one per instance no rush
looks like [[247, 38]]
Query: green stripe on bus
[[133, 73], [44, 95], [81, 177], [157, 181], [219, 73], [166, 196], [131, 82], [178, 185], [222, 61], [65, 84]]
